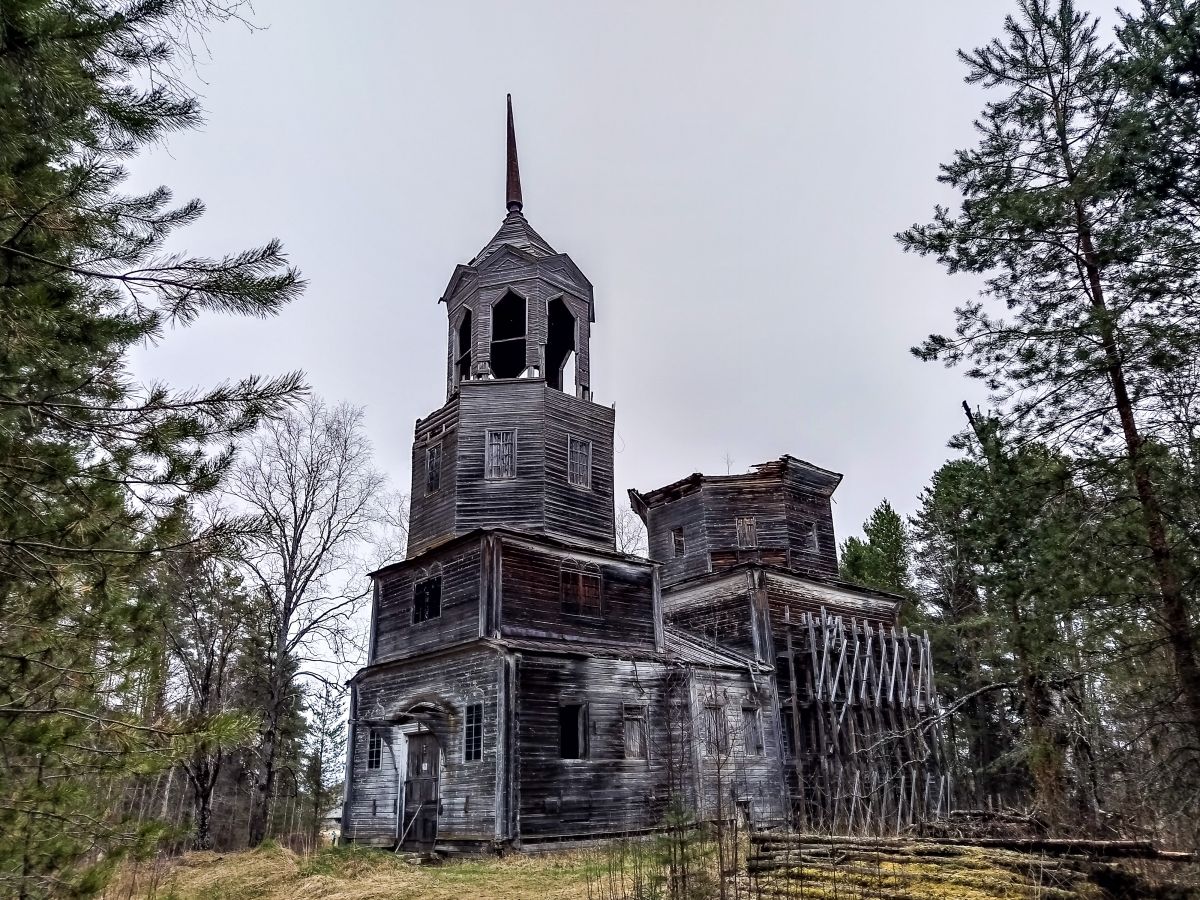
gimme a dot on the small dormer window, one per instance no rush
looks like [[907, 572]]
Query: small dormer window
[[747, 533]]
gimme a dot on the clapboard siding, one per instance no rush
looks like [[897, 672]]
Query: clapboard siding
[[468, 789], [396, 635], [686, 512], [726, 620], [532, 597], [431, 513], [604, 793], [572, 511]]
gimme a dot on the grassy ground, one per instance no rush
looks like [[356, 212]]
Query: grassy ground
[[613, 873]]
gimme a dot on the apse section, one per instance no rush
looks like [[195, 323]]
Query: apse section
[[560, 346], [508, 336]]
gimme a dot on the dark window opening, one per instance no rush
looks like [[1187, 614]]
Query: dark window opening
[[427, 599], [433, 468], [677, 544], [473, 733], [579, 462], [501, 455], [752, 737], [462, 358], [716, 731], [581, 590], [374, 749], [560, 341], [635, 732], [572, 731], [747, 533], [508, 336]]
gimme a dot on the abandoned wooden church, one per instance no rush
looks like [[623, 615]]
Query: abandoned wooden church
[[528, 683]]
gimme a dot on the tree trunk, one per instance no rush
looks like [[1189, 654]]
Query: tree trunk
[[265, 785]]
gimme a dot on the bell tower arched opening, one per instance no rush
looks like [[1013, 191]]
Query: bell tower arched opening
[[462, 348], [508, 336], [560, 344]]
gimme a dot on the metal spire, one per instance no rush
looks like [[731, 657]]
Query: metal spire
[[513, 193]]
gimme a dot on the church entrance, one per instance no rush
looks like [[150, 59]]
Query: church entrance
[[419, 828]]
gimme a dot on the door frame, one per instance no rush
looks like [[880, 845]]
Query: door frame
[[401, 751]]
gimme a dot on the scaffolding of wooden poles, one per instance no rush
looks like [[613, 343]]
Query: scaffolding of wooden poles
[[862, 725]]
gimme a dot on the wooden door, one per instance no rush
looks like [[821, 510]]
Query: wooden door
[[421, 794]]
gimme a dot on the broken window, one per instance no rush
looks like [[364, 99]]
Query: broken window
[[572, 731], [501, 454], [462, 358], [786, 723], [581, 589], [433, 468], [473, 733], [579, 462], [560, 342], [747, 532], [427, 599], [752, 736], [677, 542], [716, 731], [783, 674], [508, 336], [374, 749], [810, 537], [635, 731]]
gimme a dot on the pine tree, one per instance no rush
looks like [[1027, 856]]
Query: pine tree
[[95, 470], [1098, 283]]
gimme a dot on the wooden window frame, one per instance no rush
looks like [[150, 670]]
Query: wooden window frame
[[374, 749], [636, 716], [715, 744], [678, 543], [433, 470], [586, 483], [473, 733], [571, 572], [746, 528], [420, 611], [813, 544], [752, 724], [487, 455], [582, 727]]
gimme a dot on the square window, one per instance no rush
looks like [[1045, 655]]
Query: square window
[[747, 533], [427, 599], [581, 594], [433, 468], [473, 733], [579, 462], [677, 544], [635, 732], [501, 460], [752, 737], [374, 749], [572, 731]]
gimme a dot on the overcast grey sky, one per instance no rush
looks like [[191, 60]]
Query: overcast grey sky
[[728, 175]]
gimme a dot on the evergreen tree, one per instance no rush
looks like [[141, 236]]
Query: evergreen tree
[[324, 753], [1098, 282], [96, 471], [882, 560]]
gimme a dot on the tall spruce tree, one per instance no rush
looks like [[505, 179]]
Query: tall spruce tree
[[96, 471], [882, 560], [1098, 285]]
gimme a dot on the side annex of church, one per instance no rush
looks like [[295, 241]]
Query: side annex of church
[[528, 683]]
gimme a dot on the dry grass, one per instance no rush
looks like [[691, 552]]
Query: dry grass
[[275, 873]]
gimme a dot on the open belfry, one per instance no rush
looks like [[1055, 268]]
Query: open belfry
[[527, 683]]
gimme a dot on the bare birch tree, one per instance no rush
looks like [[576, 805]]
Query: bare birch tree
[[310, 478]]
